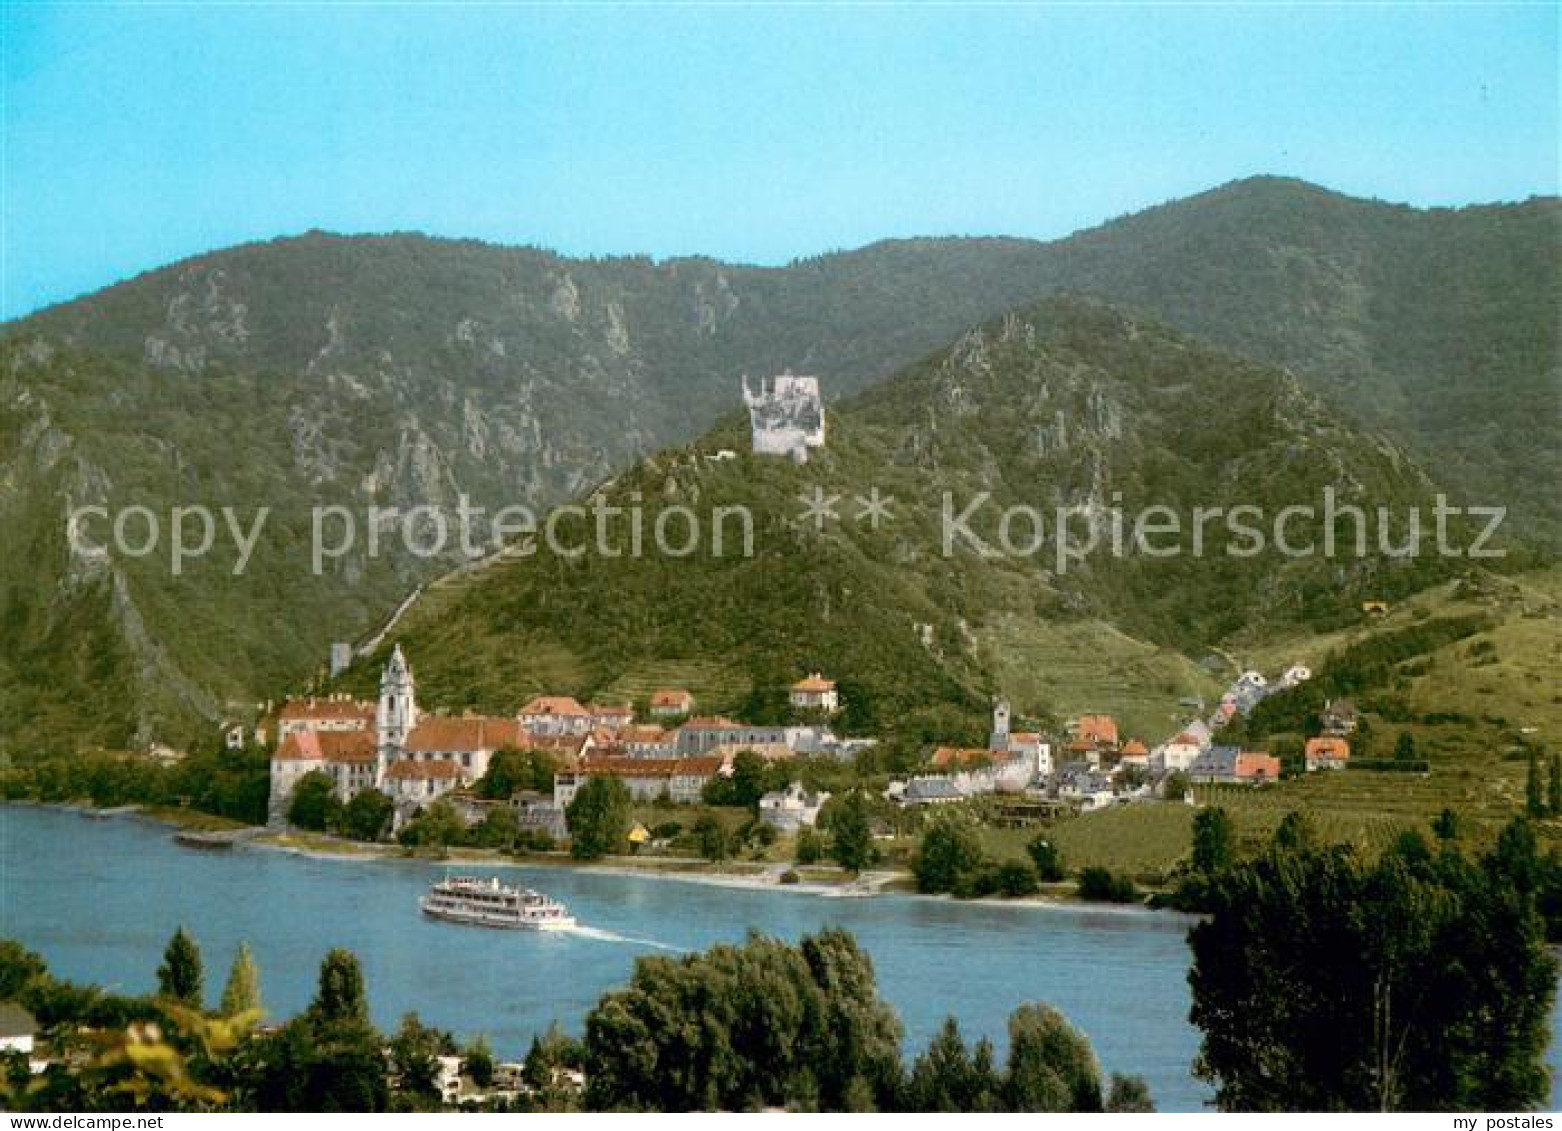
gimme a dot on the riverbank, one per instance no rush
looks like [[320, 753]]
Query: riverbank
[[813, 880], [747, 875], [99, 900], [173, 816], [816, 880]]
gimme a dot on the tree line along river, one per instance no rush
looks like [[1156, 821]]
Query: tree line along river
[[99, 898]]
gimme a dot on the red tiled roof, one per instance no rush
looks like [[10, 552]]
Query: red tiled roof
[[710, 722], [1253, 765], [327, 746], [960, 756], [562, 705], [1328, 747], [1097, 728], [672, 698], [769, 751], [610, 710], [301, 747], [437, 734], [1134, 747], [569, 745], [299, 710], [814, 682], [612, 766], [406, 769]]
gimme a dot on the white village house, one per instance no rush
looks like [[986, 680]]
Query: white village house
[[792, 808], [815, 693]]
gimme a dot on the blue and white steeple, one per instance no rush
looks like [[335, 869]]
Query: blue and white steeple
[[398, 710]]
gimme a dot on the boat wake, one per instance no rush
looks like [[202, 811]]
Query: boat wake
[[600, 935]]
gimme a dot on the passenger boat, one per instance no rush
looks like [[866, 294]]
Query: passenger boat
[[488, 903]]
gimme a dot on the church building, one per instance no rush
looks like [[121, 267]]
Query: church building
[[410, 756]]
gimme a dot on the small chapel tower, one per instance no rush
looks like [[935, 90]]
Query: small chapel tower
[[999, 739]]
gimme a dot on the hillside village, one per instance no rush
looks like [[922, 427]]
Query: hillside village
[[666, 752]]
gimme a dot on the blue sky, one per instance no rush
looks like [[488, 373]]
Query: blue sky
[[137, 134]]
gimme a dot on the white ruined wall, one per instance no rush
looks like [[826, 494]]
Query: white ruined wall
[[786, 416]]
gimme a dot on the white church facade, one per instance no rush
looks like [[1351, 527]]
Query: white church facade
[[410, 756]]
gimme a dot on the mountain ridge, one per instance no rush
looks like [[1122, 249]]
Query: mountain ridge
[[1257, 182], [916, 634], [400, 370]]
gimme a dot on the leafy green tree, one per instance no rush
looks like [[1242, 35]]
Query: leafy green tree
[[333, 1067], [327, 1059], [1290, 749], [181, 977], [242, 993], [511, 770], [436, 827], [1099, 885], [315, 805], [368, 815], [20, 968], [1047, 859], [499, 828], [1444, 1005], [743, 787], [1515, 860], [743, 1027], [1363, 739], [477, 1061], [753, 834], [851, 833], [1176, 786], [950, 850], [711, 838], [854, 1045], [1051, 1066], [599, 818], [1296, 830], [1129, 1094], [1534, 799], [1554, 787], [161, 1065], [414, 1053], [1446, 825], [949, 1078], [340, 995], [809, 848], [1214, 841], [1015, 879], [1405, 747], [550, 1054]]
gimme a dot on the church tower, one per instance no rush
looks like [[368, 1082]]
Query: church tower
[[999, 739], [398, 711]]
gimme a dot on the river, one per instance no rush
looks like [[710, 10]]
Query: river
[[99, 898]]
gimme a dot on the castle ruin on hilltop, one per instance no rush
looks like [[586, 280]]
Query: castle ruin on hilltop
[[786, 415]]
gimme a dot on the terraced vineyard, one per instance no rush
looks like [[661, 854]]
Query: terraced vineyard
[[715, 687], [1145, 841], [1087, 666]]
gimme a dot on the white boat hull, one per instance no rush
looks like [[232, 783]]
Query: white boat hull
[[474, 918]]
